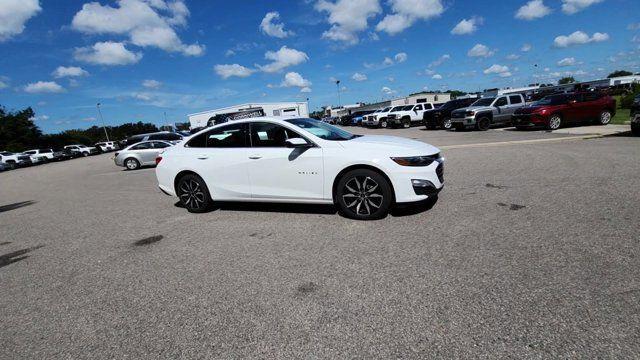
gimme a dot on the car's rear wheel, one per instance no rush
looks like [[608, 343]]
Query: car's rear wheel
[[194, 194], [605, 117], [132, 164], [446, 124], [364, 194], [554, 122], [483, 124]]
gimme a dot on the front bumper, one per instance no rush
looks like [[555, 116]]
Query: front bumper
[[529, 120], [465, 121], [413, 184], [370, 122]]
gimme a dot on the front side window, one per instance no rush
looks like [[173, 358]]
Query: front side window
[[515, 99], [322, 130], [265, 134], [483, 102], [501, 101], [418, 107], [31, 152]]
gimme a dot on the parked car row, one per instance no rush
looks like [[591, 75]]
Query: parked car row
[[10, 161], [550, 112]]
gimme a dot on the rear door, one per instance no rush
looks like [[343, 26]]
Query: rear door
[[145, 152], [280, 173]]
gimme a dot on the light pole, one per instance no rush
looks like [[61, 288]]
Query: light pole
[[338, 87], [102, 120]]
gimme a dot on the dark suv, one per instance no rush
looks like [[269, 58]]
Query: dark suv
[[635, 116], [441, 117], [556, 110]]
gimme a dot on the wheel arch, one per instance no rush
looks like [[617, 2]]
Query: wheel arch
[[488, 114], [179, 176], [334, 187]]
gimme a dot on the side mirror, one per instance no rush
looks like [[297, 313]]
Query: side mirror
[[297, 143]]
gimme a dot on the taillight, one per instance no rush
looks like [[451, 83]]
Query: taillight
[[158, 159]]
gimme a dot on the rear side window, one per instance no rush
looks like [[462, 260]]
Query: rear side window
[[590, 96], [142, 146], [514, 99], [428, 106], [230, 136], [160, 145]]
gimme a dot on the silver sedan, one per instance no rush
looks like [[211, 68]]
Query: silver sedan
[[140, 154]]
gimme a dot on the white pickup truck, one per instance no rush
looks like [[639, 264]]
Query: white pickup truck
[[14, 160], [408, 115]]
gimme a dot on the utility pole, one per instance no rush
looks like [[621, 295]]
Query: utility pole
[[102, 120], [338, 87]]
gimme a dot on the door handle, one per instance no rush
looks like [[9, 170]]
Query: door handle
[[203, 157], [255, 157]]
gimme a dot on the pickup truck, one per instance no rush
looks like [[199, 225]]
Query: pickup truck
[[38, 155], [374, 119], [487, 112], [408, 115], [14, 160]]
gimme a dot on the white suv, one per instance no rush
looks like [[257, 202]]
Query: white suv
[[39, 155], [106, 146], [82, 149], [408, 115]]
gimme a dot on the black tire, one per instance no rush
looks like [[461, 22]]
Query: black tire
[[384, 124], [483, 123], [520, 128], [406, 123], [363, 194], [605, 117], [446, 124], [131, 164], [458, 127], [85, 154], [555, 121], [194, 194], [12, 165], [635, 130]]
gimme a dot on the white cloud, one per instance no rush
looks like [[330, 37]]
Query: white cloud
[[388, 91], [359, 77], [146, 23], [532, 10], [467, 26], [347, 18], [480, 50], [43, 87], [437, 77], [407, 12], [633, 27], [270, 26], [439, 61], [282, 59], [387, 61], [496, 69], [227, 71], [573, 6], [400, 57], [526, 48], [570, 61], [3, 85], [14, 14], [305, 90], [293, 79], [579, 38], [513, 57], [107, 53], [70, 71], [151, 84]]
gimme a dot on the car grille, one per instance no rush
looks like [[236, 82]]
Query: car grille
[[457, 115], [24, 158], [440, 172]]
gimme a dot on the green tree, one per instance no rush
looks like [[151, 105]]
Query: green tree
[[619, 73], [566, 80], [17, 130]]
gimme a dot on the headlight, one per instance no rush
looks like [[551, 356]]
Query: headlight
[[417, 160], [470, 113]]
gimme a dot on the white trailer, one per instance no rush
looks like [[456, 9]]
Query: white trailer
[[202, 119]]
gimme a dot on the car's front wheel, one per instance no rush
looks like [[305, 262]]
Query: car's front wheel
[[483, 124], [132, 164], [554, 122], [446, 124], [384, 124], [364, 194], [194, 194], [406, 123]]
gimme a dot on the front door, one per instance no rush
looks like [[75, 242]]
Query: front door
[[502, 104], [280, 173]]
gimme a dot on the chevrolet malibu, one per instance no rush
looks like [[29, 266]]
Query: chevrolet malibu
[[299, 161]]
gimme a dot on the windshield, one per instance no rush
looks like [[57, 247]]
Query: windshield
[[553, 100], [397, 108], [6, 153], [322, 130], [386, 109], [483, 102], [30, 152]]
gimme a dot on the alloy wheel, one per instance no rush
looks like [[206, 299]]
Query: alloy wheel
[[554, 122], [132, 164], [362, 195], [192, 195], [383, 123], [605, 117], [446, 124]]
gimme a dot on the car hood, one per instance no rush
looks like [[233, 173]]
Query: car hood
[[530, 109], [475, 108], [393, 145]]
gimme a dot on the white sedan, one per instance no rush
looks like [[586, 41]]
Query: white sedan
[[299, 161]]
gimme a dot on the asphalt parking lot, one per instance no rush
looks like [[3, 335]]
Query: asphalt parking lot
[[532, 251]]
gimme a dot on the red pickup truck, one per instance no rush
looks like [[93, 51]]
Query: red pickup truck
[[554, 111]]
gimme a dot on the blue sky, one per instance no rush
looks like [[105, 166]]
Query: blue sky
[[143, 58]]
